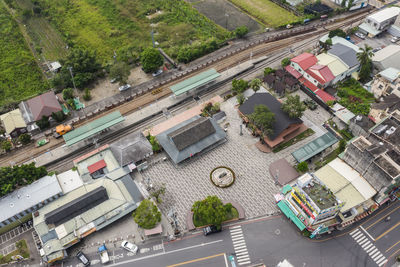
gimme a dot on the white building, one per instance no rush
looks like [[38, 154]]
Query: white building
[[388, 57], [380, 21]]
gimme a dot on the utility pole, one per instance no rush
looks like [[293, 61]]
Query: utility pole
[[152, 37], [72, 77], [226, 20]]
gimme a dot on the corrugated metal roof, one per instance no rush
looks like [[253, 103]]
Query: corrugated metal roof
[[314, 147], [97, 166], [390, 74], [343, 113], [334, 64], [289, 213], [385, 14], [93, 128], [345, 54], [305, 60], [12, 120], [195, 81]]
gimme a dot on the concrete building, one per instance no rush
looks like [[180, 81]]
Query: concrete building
[[388, 57], [386, 82], [342, 117], [360, 125], [13, 123], [383, 109], [105, 197], [357, 4], [35, 108], [380, 21], [19, 204]]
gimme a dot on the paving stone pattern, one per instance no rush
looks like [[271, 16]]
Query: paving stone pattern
[[254, 187]]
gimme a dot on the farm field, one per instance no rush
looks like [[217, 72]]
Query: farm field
[[266, 12], [44, 37], [105, 26], [225, 14], [20, 76]]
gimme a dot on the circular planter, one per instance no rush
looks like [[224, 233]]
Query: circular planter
[[222, 176]]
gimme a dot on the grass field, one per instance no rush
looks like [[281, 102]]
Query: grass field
[[106, 26], [20, 77], [266, 12]]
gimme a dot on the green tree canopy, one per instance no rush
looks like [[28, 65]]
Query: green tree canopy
[[302, 166], [151, 59], [43, 123], [263, 119], [147, 215], [85, 69], [365, 59], [268, 70], [6, 145], [293, 106], [12, 177], [240, 98], [209, 211], [285, 62], [239, 86], [241, 31], [255, 84], [59, 116], [337, 32], [68, 93], [25, 138], [120, 71]]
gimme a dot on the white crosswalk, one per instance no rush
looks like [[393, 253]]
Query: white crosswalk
[[239, 245], [368, 247]]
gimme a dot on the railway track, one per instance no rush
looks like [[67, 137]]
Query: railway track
[[262, 49]]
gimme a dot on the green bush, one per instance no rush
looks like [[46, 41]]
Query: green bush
[[151, 59], [43, 123], [302, 167], [87, 96], [6, 145], [188, 53], [154, 143], [211, 210], [239, 86], [240, 98], [25, 138], [241, 31], [59, 116], [285, 62], [147, 215]]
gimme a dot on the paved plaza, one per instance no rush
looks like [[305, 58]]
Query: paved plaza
[[254, 187]]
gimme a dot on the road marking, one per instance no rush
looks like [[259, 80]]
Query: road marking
[[226, 260], [237, 238], [392, 246], [234, 227], [243, 263], [357, 234], [355, 231], [374, 253], [370, 249], [236, 235], [382, 263], [388, 231], [379, 258], [244, 259], [362, 240], [245, 255], [165, 253], [238, 230], [239, 247], [366, 244], [240, 250], [237, 241], [196, 260], [358, 238], [367, 233], [382, 217], [367, 247]]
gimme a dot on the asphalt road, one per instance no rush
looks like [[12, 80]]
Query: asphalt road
[[372, 242]]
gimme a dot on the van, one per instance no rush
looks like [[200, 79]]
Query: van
[[324, 17], [306, 21], [82, 258]]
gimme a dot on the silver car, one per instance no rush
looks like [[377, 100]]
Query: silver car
[[129, 246], [124, 87]]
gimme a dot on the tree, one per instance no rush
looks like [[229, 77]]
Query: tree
[[25, 138], [85, 69], [157, 193], [365, 59], [6, 145], [87, 96], [241, 31], [59, 116], [342, 145], [293, 106], [239, 86], [209, 211], [302, 166], [255, 84], [337, 32], [268, 70], [151, 59], [285, 62], [154, 143], [120, 71], [147, 215], [263, 119], [43, 123], [68, 93], [240, 98]]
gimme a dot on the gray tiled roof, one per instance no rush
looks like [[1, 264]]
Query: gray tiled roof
[[345, 53], [190, 137], [282, 120], [131, 148]]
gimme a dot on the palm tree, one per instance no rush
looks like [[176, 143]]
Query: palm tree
[[255, 84], [365, 59]]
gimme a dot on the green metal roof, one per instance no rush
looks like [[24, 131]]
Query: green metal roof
[[314, 147], [287, 188], [92, 128], [289, 213], [195, 81]]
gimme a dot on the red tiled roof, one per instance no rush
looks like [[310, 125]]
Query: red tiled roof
[[293, 72], [43, 105], [302, 79], [310, 86], [316, 77], [324, 95], [97, 166], [305, 60], [325, 72]]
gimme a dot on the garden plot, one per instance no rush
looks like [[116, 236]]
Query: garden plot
[[225, 14]]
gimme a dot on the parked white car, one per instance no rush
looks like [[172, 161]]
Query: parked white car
[[129, 246], [156, 73], [394, 39], [124, 87], [360, 35]]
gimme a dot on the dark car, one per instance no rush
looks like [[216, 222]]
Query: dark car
[[211, 230], [82, 258], [310, 104]]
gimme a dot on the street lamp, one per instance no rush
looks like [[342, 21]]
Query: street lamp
[[226, 21], [72, 77]]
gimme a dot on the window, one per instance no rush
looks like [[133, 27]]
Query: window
[[380, 86], [315, 81]]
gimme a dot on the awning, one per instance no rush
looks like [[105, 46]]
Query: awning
[[289, 213], [292, 71], [287, 188], [97, 166], [154, 231]]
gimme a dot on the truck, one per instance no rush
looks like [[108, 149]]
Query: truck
[[62, 129], [104, 254]]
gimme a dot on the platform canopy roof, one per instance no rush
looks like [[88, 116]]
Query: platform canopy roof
[[92, 128], [316, 146], [194, 82]]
